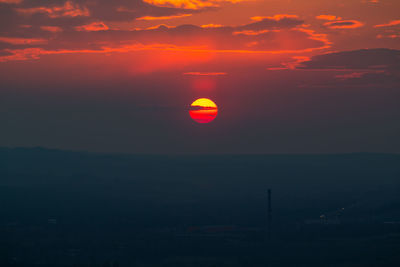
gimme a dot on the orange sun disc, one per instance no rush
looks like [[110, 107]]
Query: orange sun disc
[[203, 110]]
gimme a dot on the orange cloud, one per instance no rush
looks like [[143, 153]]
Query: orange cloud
[[335, 22], [69, 9], [189, 4], [328, 17], [343, 24], [93, 27], [162, 26], [22, 41], [323, 38], [276, 17], [392, 23], [253, 32], [211, 26], [164, 17], [205, 73], [51, 28]]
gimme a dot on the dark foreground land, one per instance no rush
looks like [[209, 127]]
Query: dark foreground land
[[60, 208]]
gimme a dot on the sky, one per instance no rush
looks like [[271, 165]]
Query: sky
[[119, 76]]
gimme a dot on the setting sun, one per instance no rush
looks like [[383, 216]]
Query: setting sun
[[203, 110]]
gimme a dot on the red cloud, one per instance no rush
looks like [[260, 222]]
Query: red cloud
[[276, 17], [93, 27], [205, 73], [51, 28], [23, 41]]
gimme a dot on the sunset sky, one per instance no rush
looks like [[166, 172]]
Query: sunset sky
[[288, 76]]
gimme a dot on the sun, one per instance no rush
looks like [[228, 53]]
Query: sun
[[203, 110]]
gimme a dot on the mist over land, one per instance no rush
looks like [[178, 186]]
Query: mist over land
[[65, 208]]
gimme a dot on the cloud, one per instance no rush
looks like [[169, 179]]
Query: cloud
[[74, 12], [69, 9], [365, 59], [34, 19], [53, 29], [328, 17], [211, 25], [10, 1], [343, 24], [352, 75], [190, 4], [335, 22], [292, 64], [5, 53], [363, 69], [22, 41], [276, 17], [93, 27], [202, 108], [389, 36], [164, 17], [371, 1], [279, 21], [275, 35], [389, 24], [205, 73], [390, 30]]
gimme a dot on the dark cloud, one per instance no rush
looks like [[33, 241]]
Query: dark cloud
[[375, 79], [4, 53], [360, 59], [9, 19], [366, 68]]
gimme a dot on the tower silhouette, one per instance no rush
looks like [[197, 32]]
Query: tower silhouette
[[269, 216]]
